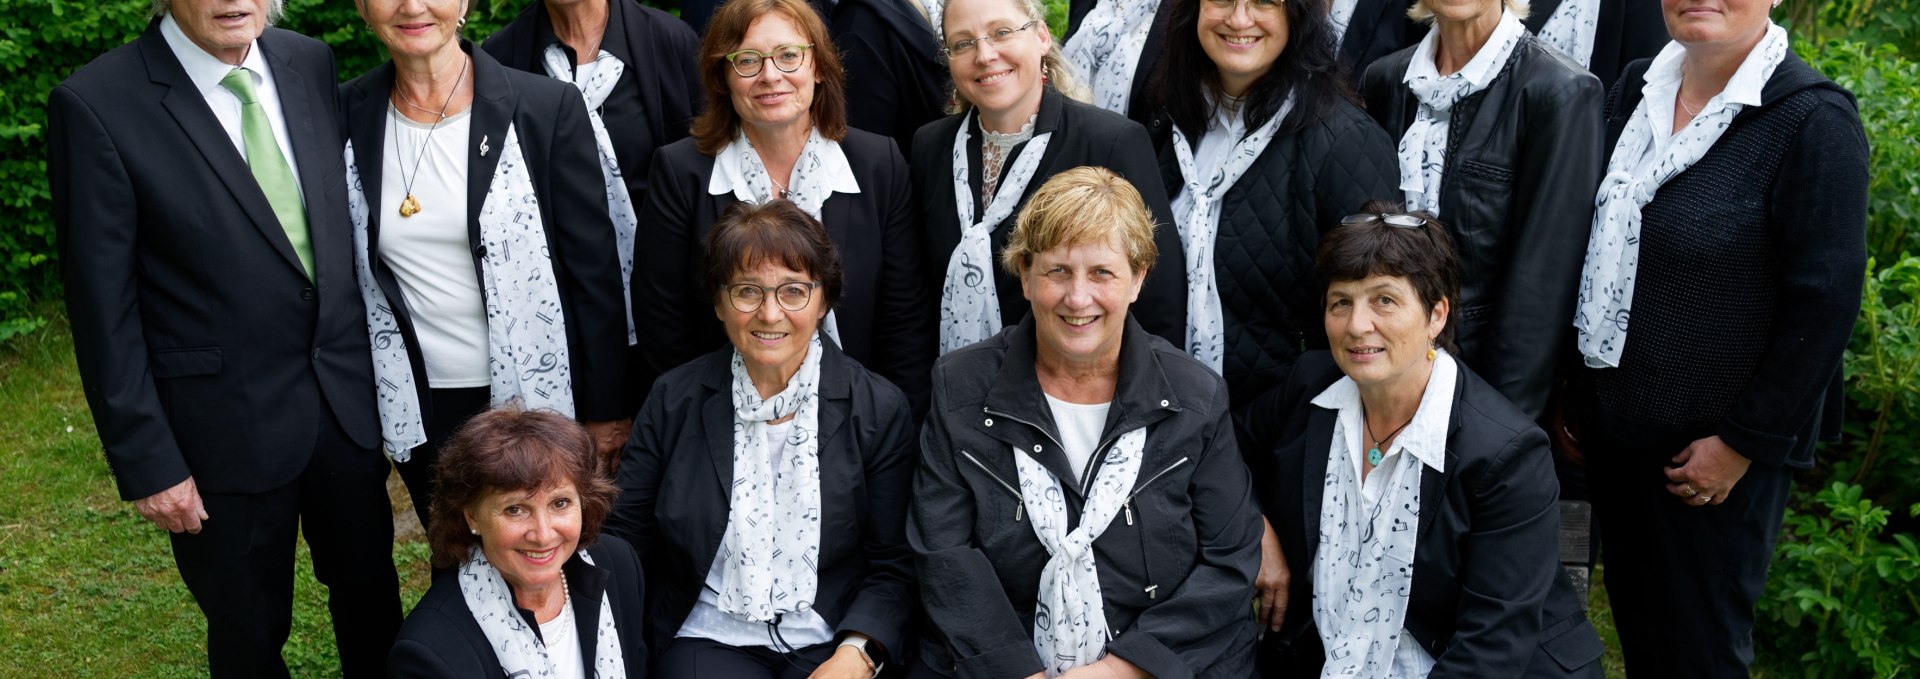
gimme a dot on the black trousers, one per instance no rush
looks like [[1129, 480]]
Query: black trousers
[[450, 409], [1683, 580], [240, 566], [695, 657]]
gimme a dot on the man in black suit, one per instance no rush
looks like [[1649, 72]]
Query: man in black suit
[[199, 193]]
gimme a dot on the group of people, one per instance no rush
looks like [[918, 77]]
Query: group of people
[[782, 339]]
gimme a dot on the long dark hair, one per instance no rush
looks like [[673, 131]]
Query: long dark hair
[[1187, 84]]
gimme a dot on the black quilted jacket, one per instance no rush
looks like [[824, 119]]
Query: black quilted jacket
[[1270, 227]]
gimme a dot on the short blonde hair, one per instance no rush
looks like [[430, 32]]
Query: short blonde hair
[[1080, 206], [1422, 13]]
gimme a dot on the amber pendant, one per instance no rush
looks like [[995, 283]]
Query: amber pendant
[[410, 206]]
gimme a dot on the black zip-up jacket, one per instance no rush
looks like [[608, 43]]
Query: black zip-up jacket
[[1271, 221], [1523, 162], [1176, 567]]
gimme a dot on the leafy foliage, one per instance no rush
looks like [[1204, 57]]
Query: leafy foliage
[[1841, 601], [1886, 84]]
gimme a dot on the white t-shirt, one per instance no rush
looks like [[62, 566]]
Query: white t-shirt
[[563, 646], [1080, 426], [431, 256], [707, 621]]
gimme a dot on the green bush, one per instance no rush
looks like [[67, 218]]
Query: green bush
[[1887, 86], [1841, 600]]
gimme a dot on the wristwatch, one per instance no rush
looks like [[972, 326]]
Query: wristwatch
[[859, 643]]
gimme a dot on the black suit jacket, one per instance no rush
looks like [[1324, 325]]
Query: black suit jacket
[[660, 52], [551, 123], [886, 316], [441, 639], [204, 346], [676, 478], [1625, 31], [1376, 29], [896, 80], [1139, 107], [1489, 596], [1082, 135]]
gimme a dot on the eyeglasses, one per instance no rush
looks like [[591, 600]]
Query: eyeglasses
[[1224, 8], [787, 58], [748, 298], [1400, 219], [961, 48]]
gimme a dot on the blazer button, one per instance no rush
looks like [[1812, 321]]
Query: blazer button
[[989, 421], [306, 294], [316, 353], [480, 250], [1036, 447]]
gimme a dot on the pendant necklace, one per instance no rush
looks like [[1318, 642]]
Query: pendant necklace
[[1373, 453], [410, 205]]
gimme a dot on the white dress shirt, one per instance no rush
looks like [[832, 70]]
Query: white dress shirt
[[206, 72]]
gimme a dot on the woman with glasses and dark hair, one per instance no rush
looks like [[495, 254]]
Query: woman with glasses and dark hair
[[1263, 156], [1417, 506], [775, 127], [766, 484], [1019, 123], [1499, 135]]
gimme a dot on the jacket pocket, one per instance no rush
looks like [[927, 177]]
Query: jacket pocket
[[1486, 171], [1571, 642], [171, 363]]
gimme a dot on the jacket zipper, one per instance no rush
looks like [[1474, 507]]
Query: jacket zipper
[[1020, 502], [1127, 504]]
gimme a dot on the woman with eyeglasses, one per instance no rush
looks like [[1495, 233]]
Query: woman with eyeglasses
[[775, 127], [1417, 506], [1020, 121], [766, 483], [1499, 135]]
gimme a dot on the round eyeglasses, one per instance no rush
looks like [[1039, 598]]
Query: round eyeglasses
[[1398, 219], [748, 298], [961, 48], [749, 63]]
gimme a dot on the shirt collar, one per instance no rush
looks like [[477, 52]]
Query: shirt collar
[[1485, 64], [1426, 436], [1743, 88], [204, 69], [729, 176]]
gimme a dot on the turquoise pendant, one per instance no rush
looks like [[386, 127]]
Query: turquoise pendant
[[1373, 456]]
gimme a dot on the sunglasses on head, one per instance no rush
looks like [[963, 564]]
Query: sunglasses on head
[[1398, 219]]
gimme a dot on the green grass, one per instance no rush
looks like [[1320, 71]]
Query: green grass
[[88, 587]]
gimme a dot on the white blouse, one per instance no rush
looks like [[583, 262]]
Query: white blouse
[[430, 254]]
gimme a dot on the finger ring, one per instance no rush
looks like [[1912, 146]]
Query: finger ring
[[1706, 499], [1689, 489]]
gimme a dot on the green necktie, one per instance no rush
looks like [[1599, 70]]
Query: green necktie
[[269, 167]]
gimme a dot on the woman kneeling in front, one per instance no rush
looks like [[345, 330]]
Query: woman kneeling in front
[[1080, 508], [522, 588], [1417, 507]]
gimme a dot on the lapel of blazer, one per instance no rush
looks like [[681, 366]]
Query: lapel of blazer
[[367, 126], [1313, 475], [636, 26], [315, 158], [1433, 485], [716, 418], [188, 108], [493, 109]]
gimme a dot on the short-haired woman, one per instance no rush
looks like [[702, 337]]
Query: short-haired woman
[[775, 126], [1417, 506], [1499, 136], [525, 584], [1081, 509], [766, 483], [1732, 231]]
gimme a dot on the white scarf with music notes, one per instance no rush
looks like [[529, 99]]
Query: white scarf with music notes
[[526, 331], [520, 652], [1069, 615], [1106, 48], [770, 553], [969, 302], [595, 89]]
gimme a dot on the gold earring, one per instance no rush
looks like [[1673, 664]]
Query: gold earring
[[1432, 352]]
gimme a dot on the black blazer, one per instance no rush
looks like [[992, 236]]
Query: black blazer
[[1376, 29], [662, 78], [1626, 30], [1523, 162], [204, 346], [441, 639], [1489, 596], [885, 314], [896, 80], [1082, 135], [677, 473], [1140, 108], [551, 122]]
